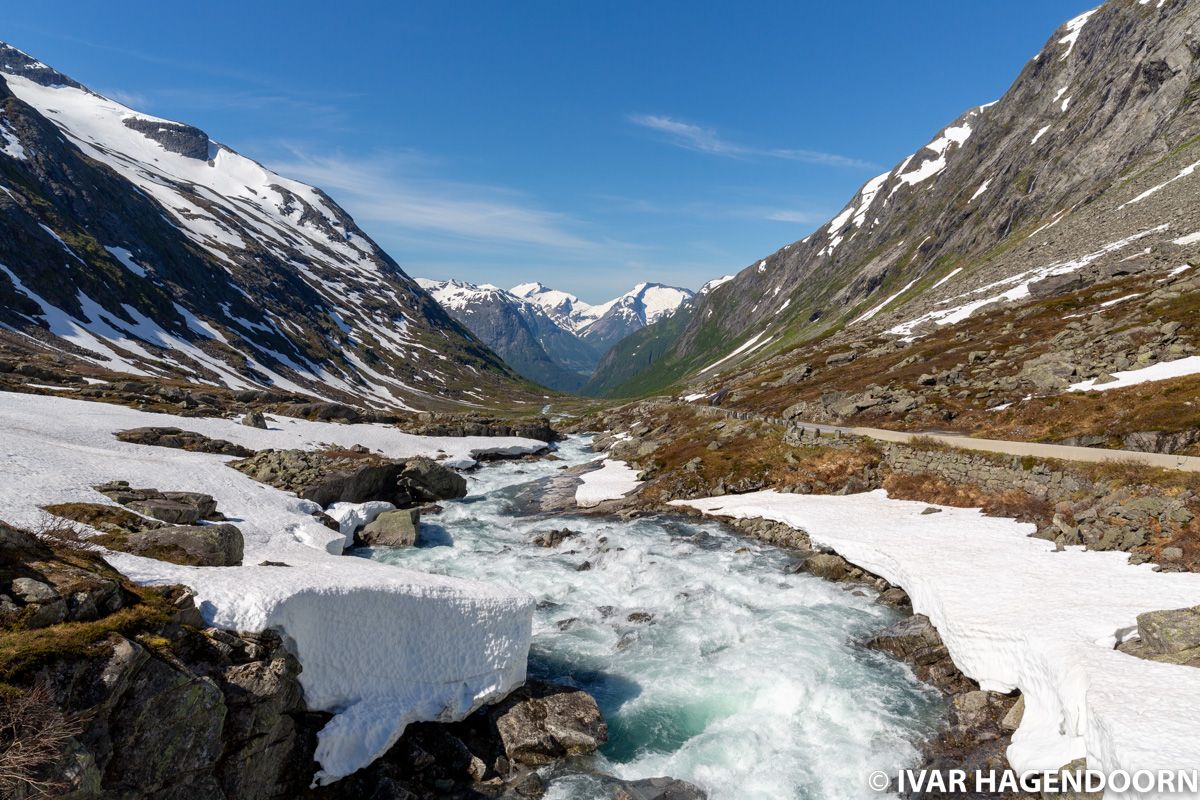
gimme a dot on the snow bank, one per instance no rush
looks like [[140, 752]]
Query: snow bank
[[381, 646], [1015, 614], [1161, 371], [612, 481]]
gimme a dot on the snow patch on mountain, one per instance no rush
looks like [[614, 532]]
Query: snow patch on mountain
[[1074, 27], [565, 308], [10, 144], [714, 283], [1017, 287]]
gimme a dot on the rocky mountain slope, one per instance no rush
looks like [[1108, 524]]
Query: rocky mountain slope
[[531, 341], [139, 246], [1087, 162], [549, 336]]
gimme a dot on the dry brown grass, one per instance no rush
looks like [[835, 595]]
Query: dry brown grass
[[33, 735], [753, 457], [933, 489], [65, 533]]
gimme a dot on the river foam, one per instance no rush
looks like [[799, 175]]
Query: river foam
[[710, 663]]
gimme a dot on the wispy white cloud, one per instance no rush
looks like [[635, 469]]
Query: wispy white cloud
[[384, 190], [132, 99], [707, 140], [797, 216]]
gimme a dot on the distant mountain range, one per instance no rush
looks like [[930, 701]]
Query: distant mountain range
[[550, 336]]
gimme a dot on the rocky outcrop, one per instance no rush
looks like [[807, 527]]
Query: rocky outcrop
[[354, 476], [219, 545], [1172, 637], [166, 708], [168, 526], [916, 642], [542, 722], [427, 424], [183, 440], [496, 752], [173, 136]]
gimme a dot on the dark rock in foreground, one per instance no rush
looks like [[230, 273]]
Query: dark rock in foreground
[[542, 722], [219, 545]]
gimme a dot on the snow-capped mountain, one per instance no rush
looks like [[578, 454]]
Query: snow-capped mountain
[[535, 344], [140, 245], [642, 305], [565, 308], [1089, 157], [606, 323], [550, 336]]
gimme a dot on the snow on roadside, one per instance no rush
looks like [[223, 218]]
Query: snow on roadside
[[1164, 370], [1046, 623], [380, 646], [612, 481]]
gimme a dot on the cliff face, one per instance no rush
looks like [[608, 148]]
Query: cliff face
[[140, 245], [1047, 174]]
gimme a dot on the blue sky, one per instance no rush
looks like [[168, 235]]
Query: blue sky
[[586, 145]]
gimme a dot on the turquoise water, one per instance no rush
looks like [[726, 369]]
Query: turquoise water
[[710, 663]]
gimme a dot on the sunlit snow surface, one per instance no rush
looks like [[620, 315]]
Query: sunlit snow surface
[[745, 682], [1015, 614], [380, 647]]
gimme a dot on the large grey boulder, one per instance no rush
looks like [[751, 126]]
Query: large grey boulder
[[255, 419], [428, 481], [543, 721], [1171, 631], [829, 566], [195, 545], [391, 529]]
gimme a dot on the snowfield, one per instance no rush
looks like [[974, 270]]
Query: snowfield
[[612, 481], [380, 646], [1015, 614], [1164, 370]]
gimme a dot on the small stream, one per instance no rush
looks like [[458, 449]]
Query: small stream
[[710, 663]]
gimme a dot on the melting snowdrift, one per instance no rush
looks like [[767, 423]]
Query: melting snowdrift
[[380, 646], [612, 481], [1015, 614]]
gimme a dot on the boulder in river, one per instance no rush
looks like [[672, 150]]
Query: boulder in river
[[542, 722], [428, 481], [391, 529]]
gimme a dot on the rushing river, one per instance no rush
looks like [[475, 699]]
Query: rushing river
[[710, 662]]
